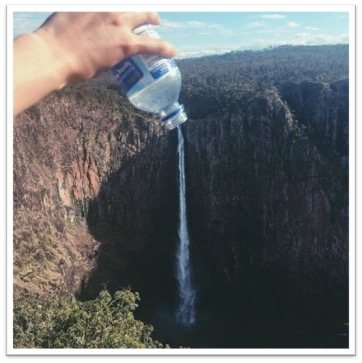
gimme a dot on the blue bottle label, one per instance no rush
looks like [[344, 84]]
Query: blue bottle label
[[127, 73], [157, 65], [138, 72]]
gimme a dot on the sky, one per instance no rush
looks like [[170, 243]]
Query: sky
[[205, 33]]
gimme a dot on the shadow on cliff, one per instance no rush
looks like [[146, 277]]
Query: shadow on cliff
[[134, 217]]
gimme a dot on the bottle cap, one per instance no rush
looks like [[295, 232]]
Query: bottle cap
[[174, 117]]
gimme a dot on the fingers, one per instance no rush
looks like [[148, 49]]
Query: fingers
[[147, 45], [136, 19]]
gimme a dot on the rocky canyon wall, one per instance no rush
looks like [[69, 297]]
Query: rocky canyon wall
[[268, 189], [95, 193]]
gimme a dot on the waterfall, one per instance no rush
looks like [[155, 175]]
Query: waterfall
[[186, 314]]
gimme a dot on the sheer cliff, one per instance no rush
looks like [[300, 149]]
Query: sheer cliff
[[266, 193], [86, 166]]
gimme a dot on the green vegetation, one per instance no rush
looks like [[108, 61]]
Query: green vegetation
[[268, 67], [106, 322], [218, 82]]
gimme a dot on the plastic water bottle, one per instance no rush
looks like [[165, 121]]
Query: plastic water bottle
[[152, 83]]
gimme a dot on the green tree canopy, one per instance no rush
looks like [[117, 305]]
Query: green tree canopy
[[106, 322]]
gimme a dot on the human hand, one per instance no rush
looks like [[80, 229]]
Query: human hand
[[73, 47], [89, 43]]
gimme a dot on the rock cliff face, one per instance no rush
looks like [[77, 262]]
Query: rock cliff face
[[268, 188], [267, 184], [95, 196], [92, 188]]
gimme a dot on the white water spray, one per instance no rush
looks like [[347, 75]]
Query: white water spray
[[186, 314]]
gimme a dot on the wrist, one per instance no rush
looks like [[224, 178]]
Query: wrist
[[55, 56]]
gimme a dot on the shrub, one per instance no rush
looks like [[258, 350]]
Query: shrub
[[106, 322]]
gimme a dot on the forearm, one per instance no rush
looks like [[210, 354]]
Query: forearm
[[38, 70]]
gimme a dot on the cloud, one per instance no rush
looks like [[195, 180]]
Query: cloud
[[318, 39], [256, 24], [195, 51], [303, 35], [311, 28], [298, 39], [220, 28], [167, 24], [202, 27], [292, 24], [273, 16]]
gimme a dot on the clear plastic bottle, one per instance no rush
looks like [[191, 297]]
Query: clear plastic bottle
[[152, 83]]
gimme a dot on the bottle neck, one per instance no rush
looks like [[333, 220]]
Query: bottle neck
[[173, 115]]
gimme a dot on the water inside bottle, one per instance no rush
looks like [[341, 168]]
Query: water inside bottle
[[159, 94]]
